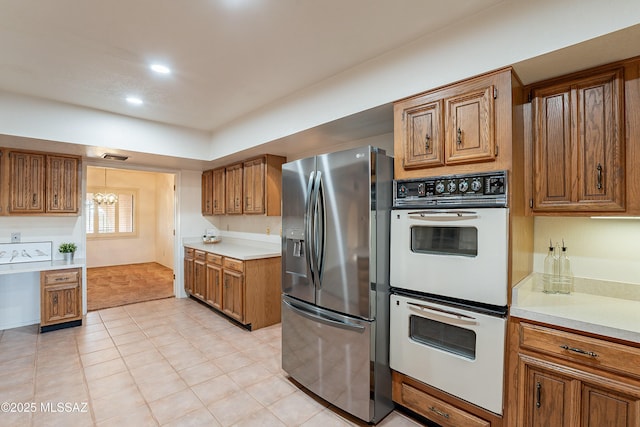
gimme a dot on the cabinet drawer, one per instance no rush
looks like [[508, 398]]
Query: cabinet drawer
[[62, 276], [199, 255], [234, 264], [188, 253], [588, 351], [437, 410], [214, 259]]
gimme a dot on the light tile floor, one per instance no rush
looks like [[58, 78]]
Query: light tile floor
[[170, 362]]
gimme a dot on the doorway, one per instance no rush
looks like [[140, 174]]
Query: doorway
[[129, 224]]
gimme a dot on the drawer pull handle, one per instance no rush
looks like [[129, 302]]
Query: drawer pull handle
[[578, 350], [61, 279], [538, 393], [442, 414]]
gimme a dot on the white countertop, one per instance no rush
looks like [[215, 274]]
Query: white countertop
[[242, 249], [610, 309], [29, 267]]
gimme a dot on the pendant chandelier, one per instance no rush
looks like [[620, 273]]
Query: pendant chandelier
[[105, 198]]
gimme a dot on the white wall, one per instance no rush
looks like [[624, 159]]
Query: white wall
[[165, 213], [506, 34], [39, 118], [605, 249]]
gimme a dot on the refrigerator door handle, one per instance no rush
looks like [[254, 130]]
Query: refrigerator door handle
[[320, 234], [322, 319], [309, 209]]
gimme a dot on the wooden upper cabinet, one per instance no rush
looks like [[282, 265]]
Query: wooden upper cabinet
[[218, 191], [233, 177], [423, 136], [262, 185], [207, 192], [62, 184], [40, 183], [469, 127], [26, 182], [464, 127], [253, 185], [578, 144]]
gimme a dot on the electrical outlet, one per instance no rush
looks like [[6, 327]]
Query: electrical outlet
[[15, 237], [268, 231]]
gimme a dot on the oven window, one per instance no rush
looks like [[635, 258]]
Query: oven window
[[449, 338], [444, 240]]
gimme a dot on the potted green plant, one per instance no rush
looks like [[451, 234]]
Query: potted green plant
[[67, 250]]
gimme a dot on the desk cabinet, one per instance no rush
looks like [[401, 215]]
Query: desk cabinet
[[60, 298]]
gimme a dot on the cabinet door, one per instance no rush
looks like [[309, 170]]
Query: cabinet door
[[553, 172], [27, 182], [422, 135], [602, 407], [207, 193], [213, 294], [548, 398], [233, 295], [199, 279], [234, 189], [578, 145], [188, 275], [218, 191], [599, 141], [469, 127], [62, 184], [60, 303], [253, 185]]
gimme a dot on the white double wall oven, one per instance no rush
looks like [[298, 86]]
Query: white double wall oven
[[449, 269]]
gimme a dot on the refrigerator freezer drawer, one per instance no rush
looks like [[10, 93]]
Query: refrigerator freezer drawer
[[329, 354]]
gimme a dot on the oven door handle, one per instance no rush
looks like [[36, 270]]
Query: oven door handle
[[443, 215], [442, 312]]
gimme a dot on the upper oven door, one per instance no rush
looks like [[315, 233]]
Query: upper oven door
[[457, 253]]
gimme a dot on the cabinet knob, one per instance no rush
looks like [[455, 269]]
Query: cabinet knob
[[34, 199]]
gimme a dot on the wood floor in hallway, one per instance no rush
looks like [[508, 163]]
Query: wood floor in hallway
[[118, 285]]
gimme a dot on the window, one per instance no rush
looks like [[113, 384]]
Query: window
[[116, 220]]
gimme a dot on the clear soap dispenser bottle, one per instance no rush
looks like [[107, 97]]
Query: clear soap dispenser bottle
[[566, 276], [550, 271]]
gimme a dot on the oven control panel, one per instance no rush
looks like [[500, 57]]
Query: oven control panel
[[479, 189]]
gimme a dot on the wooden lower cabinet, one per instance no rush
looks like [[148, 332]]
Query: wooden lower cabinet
[[565, 379], [247, 291], [439, 407], [60, 298]]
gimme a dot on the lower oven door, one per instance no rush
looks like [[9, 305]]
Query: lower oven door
[[458, 351]]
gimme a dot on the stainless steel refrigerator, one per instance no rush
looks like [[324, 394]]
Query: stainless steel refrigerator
[[335, 278]]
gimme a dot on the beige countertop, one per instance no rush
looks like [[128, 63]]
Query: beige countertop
[[610, 309], [242, 249], [26, 267]]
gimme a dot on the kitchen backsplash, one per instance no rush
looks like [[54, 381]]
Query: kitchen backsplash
[[257, 224], [605, 249]]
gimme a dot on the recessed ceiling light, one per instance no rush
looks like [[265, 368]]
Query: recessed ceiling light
[[134, 100], [161, 69]]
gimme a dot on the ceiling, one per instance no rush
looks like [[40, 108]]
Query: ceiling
[[228, 57]]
